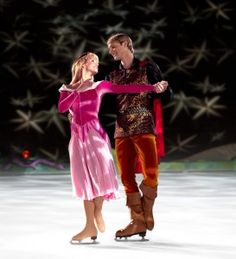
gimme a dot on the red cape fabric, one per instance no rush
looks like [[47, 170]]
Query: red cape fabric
[[157, 110]]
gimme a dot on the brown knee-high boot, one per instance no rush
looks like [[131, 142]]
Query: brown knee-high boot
[[137, 225], [148, 199]]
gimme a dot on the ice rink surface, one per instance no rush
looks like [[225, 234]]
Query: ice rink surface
[[195, 217]]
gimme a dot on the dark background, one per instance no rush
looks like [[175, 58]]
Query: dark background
[[193, 42]]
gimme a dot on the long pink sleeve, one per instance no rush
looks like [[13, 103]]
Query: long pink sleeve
[[66, 100], [108, 87]]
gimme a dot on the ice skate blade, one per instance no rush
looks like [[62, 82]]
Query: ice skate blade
[[85, 241], [130, 238]]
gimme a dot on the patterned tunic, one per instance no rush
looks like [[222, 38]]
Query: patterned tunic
[[135, 111]]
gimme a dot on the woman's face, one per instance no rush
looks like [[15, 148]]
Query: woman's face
[[92, 63]]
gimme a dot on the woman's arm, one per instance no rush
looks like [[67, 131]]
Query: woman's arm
[[108, 87], [66, 100]]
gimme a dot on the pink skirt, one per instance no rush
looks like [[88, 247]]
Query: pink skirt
[[93, 171]]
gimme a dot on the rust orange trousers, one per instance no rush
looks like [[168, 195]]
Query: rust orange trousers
[[127, 151]]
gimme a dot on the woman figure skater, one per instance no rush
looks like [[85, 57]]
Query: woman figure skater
[[93, 173]]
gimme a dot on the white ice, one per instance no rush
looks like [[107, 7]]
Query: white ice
[[195, 215]]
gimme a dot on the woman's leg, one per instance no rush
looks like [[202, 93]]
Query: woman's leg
[[98, 213], [90, 229]]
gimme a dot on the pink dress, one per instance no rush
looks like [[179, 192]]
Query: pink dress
[[92, 167]]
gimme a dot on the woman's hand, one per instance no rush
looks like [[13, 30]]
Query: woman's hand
[[73, 86], [86, 84]]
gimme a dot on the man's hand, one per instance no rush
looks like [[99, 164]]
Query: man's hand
[[161, 86], [69, 117]]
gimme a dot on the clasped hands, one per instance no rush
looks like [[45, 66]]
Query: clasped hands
[[161, 86]]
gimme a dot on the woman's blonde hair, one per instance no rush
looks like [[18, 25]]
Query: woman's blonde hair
[[79, 62], [121, 37]]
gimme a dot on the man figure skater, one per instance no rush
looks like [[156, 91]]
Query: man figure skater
[[135, 133]]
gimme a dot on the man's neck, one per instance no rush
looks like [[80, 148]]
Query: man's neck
[[127, 60]]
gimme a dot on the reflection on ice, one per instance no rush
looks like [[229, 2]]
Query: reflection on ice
[[195, 218]]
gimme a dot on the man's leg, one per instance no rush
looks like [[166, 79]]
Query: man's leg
[[126, 158], [145, 145]]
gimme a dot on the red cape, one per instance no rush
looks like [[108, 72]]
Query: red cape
[[157, 111]]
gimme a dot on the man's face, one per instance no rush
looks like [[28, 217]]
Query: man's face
[[116, 49]]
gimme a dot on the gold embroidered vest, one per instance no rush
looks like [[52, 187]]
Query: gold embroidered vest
[[134, 111]]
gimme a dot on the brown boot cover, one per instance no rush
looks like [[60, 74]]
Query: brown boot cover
[[149, 196], [137, 225]]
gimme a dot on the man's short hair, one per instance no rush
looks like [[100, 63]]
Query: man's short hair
[[121, 37]]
